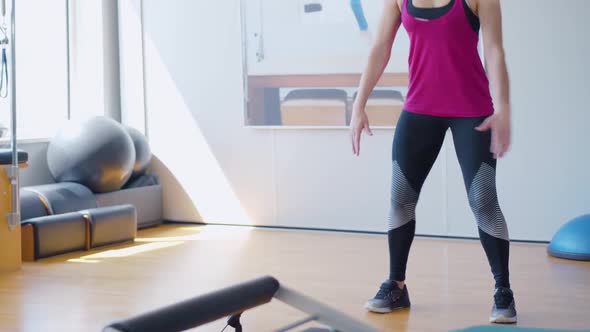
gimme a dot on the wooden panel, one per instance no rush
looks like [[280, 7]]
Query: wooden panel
[[28, 243], [449, 281], [313, 113], [10, 240], [88, 231], [384, 112]]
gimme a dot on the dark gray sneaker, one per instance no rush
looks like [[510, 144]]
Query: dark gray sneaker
[[504, 310], [389, 298]]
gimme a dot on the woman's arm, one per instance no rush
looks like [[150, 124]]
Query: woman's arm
[[491, 22], [490, 16], [377, 61]]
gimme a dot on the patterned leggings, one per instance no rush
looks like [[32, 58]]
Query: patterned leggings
[[417, 142]]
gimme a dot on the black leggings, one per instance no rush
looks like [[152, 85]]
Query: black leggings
[[417, 142]]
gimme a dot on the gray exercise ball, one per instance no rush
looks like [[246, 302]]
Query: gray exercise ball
[[98, 153], [143, 153]]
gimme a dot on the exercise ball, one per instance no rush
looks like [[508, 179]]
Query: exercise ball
[[143, 154], [98, 153], [572, 240]]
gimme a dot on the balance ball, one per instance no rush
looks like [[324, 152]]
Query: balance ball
[[143, 154], [97, 153], [572, 240]]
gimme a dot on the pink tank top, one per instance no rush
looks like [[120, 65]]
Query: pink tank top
[[447, 77]]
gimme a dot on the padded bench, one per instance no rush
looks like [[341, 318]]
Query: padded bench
[[384, 107], [53, 235], [314, 107], [147, 200], [110, 225], [58, 198], [65, 217], [31, 206], [48, 236]]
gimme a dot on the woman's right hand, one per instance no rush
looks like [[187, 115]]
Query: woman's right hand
[[380, 54], [359, 122]]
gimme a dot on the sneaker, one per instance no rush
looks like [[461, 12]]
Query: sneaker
[[504, 310], [389, 298]]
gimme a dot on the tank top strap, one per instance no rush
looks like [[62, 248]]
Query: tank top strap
[[458, 6]]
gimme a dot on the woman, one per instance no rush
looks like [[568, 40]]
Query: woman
[[448, 89]]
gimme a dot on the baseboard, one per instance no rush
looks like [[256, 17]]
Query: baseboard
[[346, 231]]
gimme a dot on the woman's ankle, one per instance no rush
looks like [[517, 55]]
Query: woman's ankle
[[400, 284]]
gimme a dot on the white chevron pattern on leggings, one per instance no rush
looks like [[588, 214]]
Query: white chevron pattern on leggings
[[483, 200], [403, 199]]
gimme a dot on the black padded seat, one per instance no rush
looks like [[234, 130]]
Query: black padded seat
[[383, 94], [110, 225], [317, 94], [6, 156], [59, 234], [314, 107], [64, 197], [31, 205]]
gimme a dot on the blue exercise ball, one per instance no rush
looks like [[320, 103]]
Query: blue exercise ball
[[572, 240], [98, 153], [143, 153]]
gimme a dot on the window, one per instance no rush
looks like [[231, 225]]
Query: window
[[87, 50], [41, 64], [49, 92]]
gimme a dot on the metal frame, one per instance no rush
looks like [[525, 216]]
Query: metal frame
[[233, 302], [68, 61], [13, 173], [13, 217], [319, 312]]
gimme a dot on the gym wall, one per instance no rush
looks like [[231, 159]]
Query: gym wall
[[37, 172], [288, 37], [194, 106]]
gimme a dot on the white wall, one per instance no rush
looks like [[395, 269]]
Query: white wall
[[41, 82], [37, 172], [329, 41], [324, 42], [231, 174], [131, 64]]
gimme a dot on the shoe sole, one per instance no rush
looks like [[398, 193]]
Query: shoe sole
[[384, 310], [503, 320]]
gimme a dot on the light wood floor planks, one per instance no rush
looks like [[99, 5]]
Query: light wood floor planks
[[449, 280]]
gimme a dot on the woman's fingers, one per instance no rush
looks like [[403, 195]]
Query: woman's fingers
[[502, 140], [486, 125], [359, 123], [358, 141], [495, 146], [368, 129], [353, 140]]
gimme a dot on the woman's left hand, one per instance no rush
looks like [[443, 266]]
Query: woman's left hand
[[499, 124]]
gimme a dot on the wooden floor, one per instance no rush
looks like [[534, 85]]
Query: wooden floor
[[449, 280]]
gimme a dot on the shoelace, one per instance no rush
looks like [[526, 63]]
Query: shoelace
[[386, 291], [383, 292], [503, 298]]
